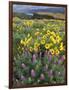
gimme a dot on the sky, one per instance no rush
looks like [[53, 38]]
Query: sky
[[26, 8], [30, 8]]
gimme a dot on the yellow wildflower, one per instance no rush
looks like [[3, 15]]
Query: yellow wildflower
[[58, 39], [43, 41], [36, 44], [48, 32], [28, 41], [56, 51], [35, 49], [51, 44], [44, 37], [53, 33], [47, 46], [25, 43], [28, 23], [52, 51], [61, 46], [28, 35], [37, 33], [31, 49], [41, 33], [22, 42], [25, 39], [52, 39]]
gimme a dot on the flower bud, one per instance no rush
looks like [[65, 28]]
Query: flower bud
[[59, 62], [34, 58], [50, 73], [50, 57], [23, 65], [46, 53], [33, 74], [42, 77], [62, 58], [45, 68], [22, 77], [40, 54]]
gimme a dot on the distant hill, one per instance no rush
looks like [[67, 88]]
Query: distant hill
[[22, 15], [52, 10], [40, 15], [34, 16]]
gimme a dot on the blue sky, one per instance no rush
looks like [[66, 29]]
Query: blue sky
[[27, 8], [30, 8]]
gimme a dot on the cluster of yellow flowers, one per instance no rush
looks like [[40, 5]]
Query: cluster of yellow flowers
[[28, 23], [49, 40], [26, 41]]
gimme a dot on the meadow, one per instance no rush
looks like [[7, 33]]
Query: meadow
[[39, 51]]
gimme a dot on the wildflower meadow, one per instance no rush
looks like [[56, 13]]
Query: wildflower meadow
[[39, 51]]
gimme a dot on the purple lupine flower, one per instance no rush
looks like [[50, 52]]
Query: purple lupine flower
[[59, 62], [40, 54], [50, 73], [50, 57], [46, 53], [33, 58], [42, 77], [62, 58], [46, 67], [23, 77], [23, 65], [55, 62], [33, 74]]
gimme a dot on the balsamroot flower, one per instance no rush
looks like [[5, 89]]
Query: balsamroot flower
[[33, 74], [52, 51], [42, 41], [23, 65], [37, 33], [47, 46], [42, 77]]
